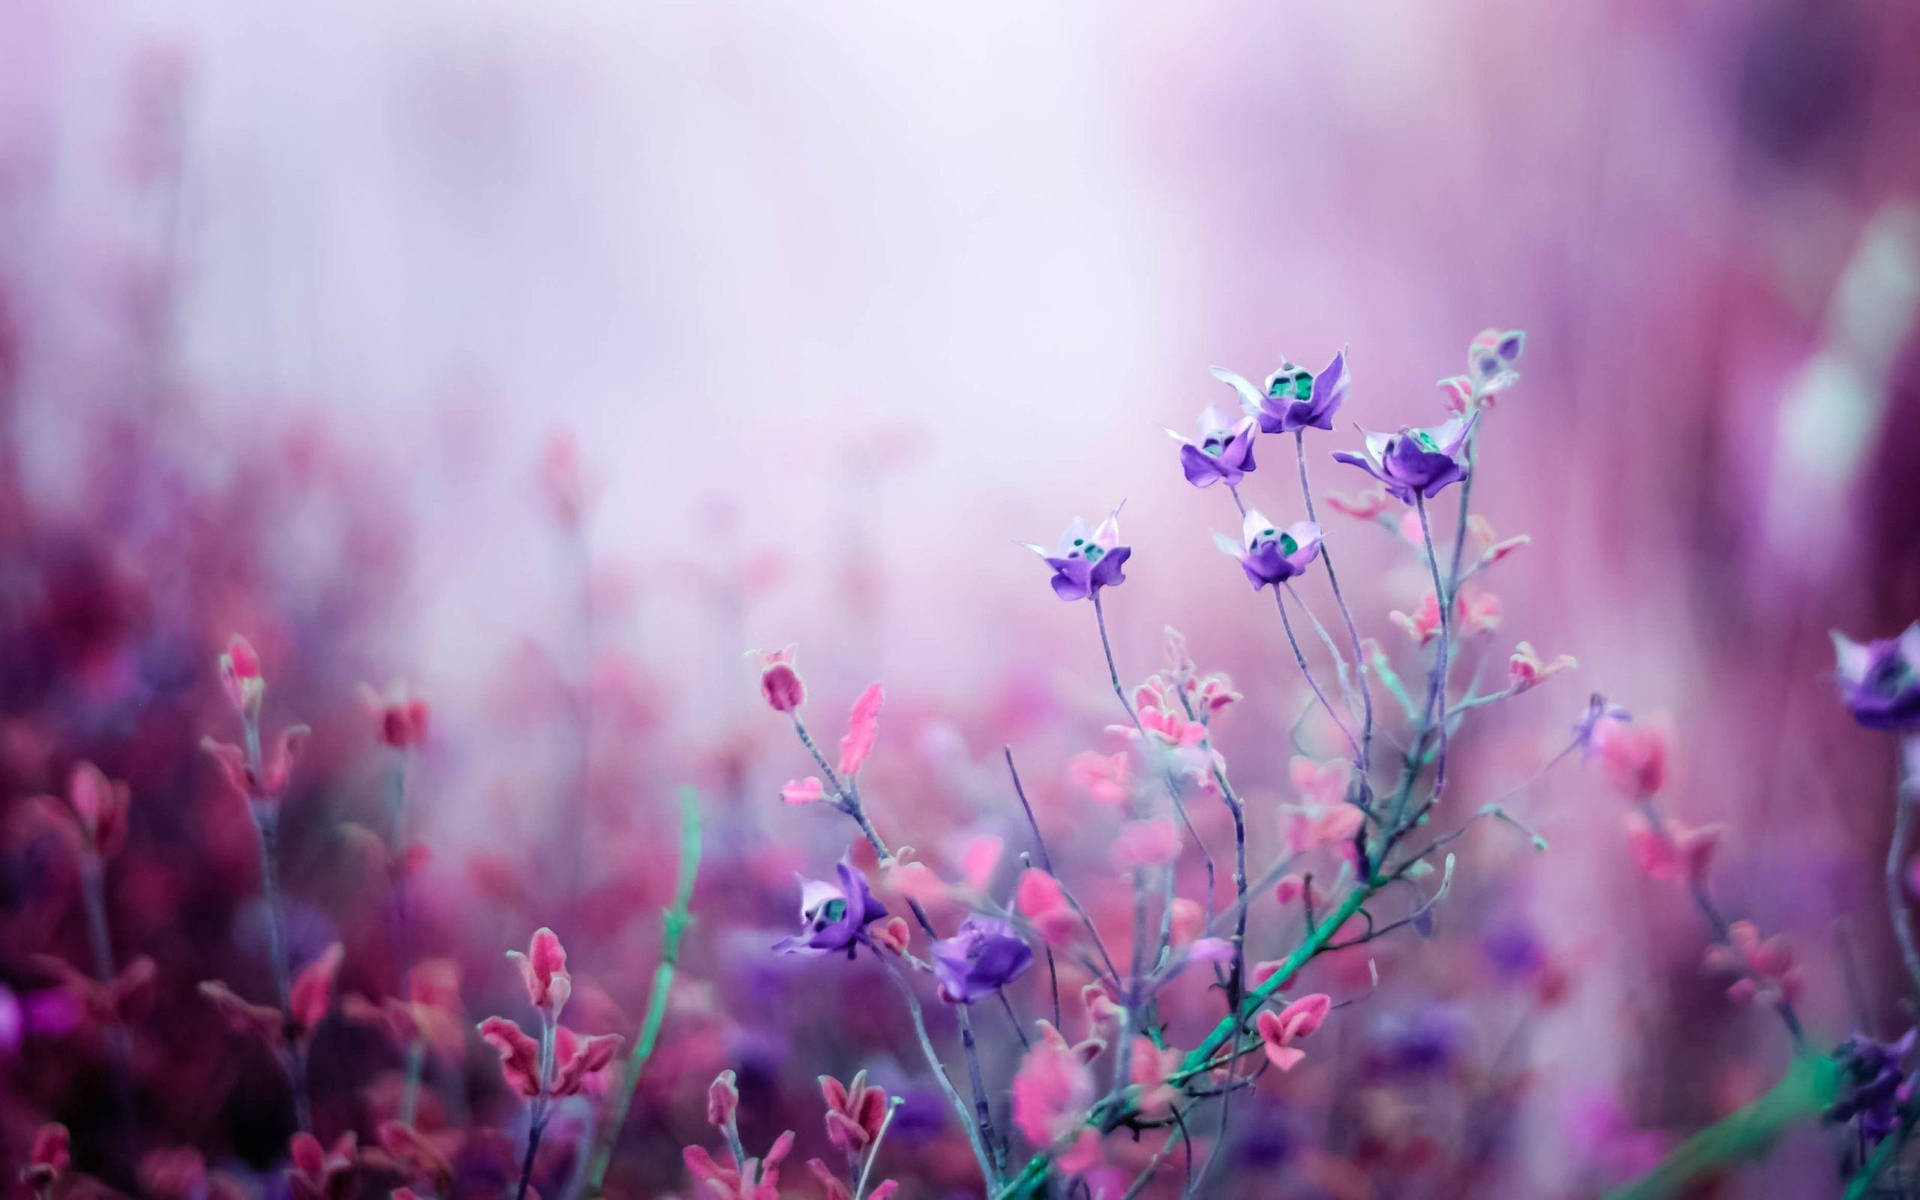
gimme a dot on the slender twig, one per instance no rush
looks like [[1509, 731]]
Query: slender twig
[[1898, 905], [932, 1056], [674, 922], [1333, 580]]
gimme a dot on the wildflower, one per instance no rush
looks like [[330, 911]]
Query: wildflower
[[803, 791], [985, 956], [1279, 1030], [47, 1158], [1150, 1069], [1525, 670], [1880, 680], [1052, 1089], [1179, 660], [893, 934], [855, 1112], [1671, 851], [264, 782], [1224, 453], [399, 721], [1087, 560], [1490, 360], [1633, 757], [544, 970], [1766, 968], [321, 1172], [1415, 462], [1310, 826], [1107, 778], [419, 1155], [1599, 714], [780, 684], [1873, 1082], [834, 917], [1269, 555], [754, 1179], [310, 999], [240, 677], [1473, 612], [94, 813], [1212, 693], [1041, 900], [1294, 399]]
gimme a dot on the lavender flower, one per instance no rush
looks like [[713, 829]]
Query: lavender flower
[[1872, 1083], [1224, 453], [1415, 461], [985, 956], [1270, 555], [1880, 681], [834, 917], [1491, 357], [1086, 560], [1599, 711], [1294, 399]]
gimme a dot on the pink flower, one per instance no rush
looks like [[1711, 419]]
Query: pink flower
[[1146, 843], [863, 726], [1295, 887], [1052, 1090], [519, 1054], [979, 858], [1320, 783], [1634, 757], [1766, 968], [544, 968], [1107, 778], [1311, 826], [398, 721], [892, 934], [780, 684], [47, 1157], [855, 1112], [1150, 1069], [755, 1179], [1189, 920], [1040, 899], [1671, 852], [321, 1172], [578, 1057], [1526, 671], [271, 781], [240, 677], [93, 816], [1213, 693], [1278, 1031], [723, 1100], [1172, 728]]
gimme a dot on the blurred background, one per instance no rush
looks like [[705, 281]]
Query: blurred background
[[551, 357]]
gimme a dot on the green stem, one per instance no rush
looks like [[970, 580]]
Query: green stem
[[675, 923]]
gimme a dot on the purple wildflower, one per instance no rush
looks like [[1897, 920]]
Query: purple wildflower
[[1872, 1083], [1415, 461], [985, 956], [1224, 453], [1294, 398], [834, 917], [1491, 357], [1270, 555], [1880, 681], [1087, 560], [1599, 711]]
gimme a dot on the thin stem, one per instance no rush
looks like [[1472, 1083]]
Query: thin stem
[[1300, 660], [873, 1152], [1437, 686], [980, 1155], [1897, 852], [982, 1113], [266, 823], [674, 922], [1353, 630]]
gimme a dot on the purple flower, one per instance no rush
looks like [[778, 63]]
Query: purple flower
[[1872, 1079], [1270, 555], [1599, 711], [1294, 398], [985, 956], [1224, 452], [1491, 357], [1880, 681], [1086, 560], [1415, 461], [834, 916]]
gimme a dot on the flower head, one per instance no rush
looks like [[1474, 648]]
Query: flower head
[[1526, 670], [1294, 398], [47, 1158], [399, 720], [95, 811], [1415, 462], [544, 970], [1224, 453], [985, 956], [240, 677], [1873, 1078], [1279, 1030], [1270, 555], [855, 1112], [1491, 358], [834, 917], [780, 684], [1880, 681], [1087, 559]]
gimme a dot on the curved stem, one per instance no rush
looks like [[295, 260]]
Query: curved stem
[[1353, 630], [1437, 687], [940, 1073], [1300, 660], [1897, 851]]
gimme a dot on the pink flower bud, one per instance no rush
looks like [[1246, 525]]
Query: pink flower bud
[[723, 1100], [780, 685], [240, 677]]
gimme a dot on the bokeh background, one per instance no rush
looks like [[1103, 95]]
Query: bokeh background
[[314, 323]]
